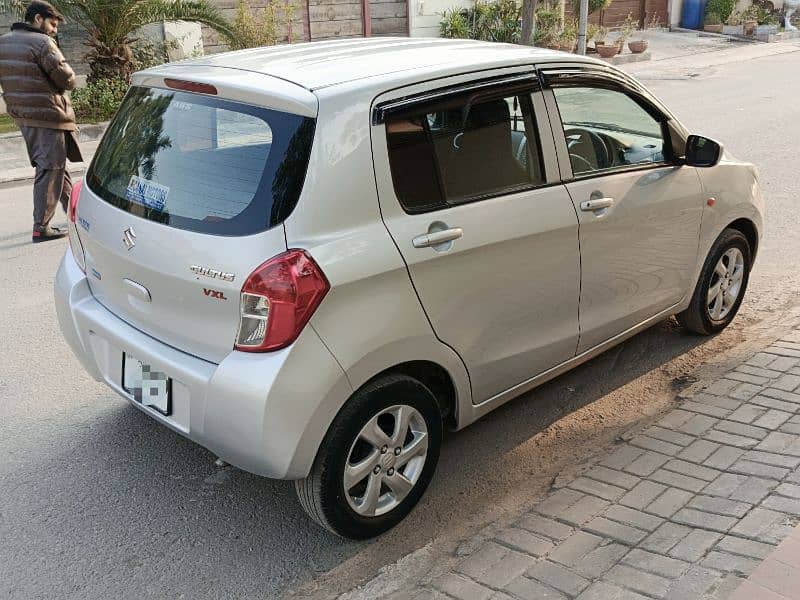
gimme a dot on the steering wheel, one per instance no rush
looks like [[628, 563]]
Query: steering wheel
[[580, 164], [587, 148]]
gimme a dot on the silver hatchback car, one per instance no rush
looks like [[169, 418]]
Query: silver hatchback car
[[312, 259]]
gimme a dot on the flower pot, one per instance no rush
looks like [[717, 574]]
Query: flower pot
[[750, 27], [713, 28], [733, 29], [568, 46], [607, 50], [637, 46]]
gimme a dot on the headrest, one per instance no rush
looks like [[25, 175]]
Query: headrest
[[488, 113]]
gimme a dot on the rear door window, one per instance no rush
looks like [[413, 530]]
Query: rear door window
[[463, 149], [202, 163]]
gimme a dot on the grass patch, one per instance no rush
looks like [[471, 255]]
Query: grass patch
[[7, 124]]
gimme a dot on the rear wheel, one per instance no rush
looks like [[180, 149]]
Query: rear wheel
[[376, 460], [721, 286]]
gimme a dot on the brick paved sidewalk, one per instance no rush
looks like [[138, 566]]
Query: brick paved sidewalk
[[688, 508]]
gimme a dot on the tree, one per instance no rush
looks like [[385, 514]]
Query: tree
[[528, 21], [111, 23]]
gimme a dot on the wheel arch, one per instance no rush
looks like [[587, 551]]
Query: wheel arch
[[433, 376], [747, 228], [442, 372]]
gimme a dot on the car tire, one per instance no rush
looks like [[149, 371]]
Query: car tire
[[409, 424], [726, 269]]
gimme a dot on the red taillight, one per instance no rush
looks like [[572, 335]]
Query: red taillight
[[74, 197], [278, 300], [72, 214]]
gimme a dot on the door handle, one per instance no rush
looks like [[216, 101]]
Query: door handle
[[437, 238], [597, 204]]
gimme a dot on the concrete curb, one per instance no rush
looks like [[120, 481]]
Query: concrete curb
[[18, 176], [624, 59], [91, 132], [763, 38], [21, 171], [710, 34], [86, 133]]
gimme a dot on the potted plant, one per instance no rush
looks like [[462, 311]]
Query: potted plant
[[733, 24], [568, 36], [607, 50], [604, 49], [626, 31], [767, 22], [548, 29], [750, 20], [600, 36], [637, 46], [712, 23], [591, 34]]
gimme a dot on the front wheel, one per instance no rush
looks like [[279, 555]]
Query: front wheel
[[721, 286], [376, 460]]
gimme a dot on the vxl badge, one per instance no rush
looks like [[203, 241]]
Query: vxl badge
[[129, 238]]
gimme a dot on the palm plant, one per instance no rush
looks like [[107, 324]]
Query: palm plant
[[111, 23], [13, 7]]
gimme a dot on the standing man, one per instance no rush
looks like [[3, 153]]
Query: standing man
[[34, 76]]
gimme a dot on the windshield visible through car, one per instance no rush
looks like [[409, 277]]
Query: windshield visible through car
[[605, 109]]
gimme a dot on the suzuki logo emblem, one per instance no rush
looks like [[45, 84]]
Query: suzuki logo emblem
[[129, 238]]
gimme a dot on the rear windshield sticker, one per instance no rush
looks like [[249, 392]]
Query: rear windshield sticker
[[148, 193]]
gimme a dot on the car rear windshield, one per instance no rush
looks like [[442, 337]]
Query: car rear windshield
[[201, 163]]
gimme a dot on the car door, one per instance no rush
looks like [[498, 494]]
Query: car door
[[489, 235], [639, 209]]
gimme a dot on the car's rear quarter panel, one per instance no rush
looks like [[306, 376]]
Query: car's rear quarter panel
[[371, 319]]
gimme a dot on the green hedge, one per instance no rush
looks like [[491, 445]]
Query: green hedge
[[497, 21], [721, 8], [98, 101]]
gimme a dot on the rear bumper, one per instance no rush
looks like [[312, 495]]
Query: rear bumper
[[264, 413]]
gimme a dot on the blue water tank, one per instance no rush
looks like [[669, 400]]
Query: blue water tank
[[692, 14]]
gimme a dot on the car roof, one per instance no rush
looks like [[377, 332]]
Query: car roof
[[322, 64]]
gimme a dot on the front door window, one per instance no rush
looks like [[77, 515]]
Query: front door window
[[606, 129]]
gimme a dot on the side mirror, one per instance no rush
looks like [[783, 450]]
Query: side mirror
[[702, 151]]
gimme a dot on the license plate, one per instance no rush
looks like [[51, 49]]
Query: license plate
[[148, 386]]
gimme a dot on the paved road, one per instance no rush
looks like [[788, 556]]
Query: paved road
[[95, 498]]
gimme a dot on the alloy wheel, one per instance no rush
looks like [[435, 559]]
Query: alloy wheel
[[726, 284], [386, 460]]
